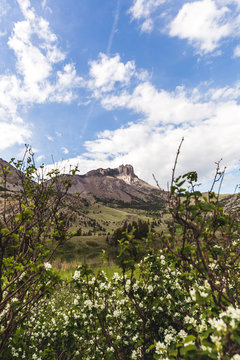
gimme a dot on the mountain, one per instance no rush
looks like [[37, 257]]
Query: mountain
[[119, 186], [13, 179]]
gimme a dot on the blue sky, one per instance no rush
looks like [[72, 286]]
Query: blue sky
[[104, 83]]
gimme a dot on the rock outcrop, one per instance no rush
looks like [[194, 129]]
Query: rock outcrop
[[119, 186]]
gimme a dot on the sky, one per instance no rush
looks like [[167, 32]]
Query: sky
[[103, 83]]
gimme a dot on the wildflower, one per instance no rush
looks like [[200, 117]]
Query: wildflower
[[76, 275], [219, 325], [150, 288], [47, 266], [217, 341], [134, 355], [89, 304], [160, 348], [182, 334], [236, 357]]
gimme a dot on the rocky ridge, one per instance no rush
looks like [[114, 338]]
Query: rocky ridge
[[119, 186]]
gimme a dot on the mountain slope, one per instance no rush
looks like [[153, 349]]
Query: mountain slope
[[14, 179], [119, 186]]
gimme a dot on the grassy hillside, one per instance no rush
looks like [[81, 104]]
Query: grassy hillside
[[95, 224]]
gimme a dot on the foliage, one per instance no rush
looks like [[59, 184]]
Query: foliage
[[140, 229], [182, 302], [30, 220]]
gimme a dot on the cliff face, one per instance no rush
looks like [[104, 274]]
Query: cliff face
[[119, 185]]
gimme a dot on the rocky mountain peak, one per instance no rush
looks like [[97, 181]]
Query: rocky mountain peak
[[121, 171], [126, 170]]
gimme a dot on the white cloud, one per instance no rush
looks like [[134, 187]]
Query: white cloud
[[160, 107], [209, 121], [150, 144], [13, 134], [107, 71], [36, 50], [50, 138], [202, 23], [143, 10], [205, 24]]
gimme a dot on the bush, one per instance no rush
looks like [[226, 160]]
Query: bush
[[32, 221], [180, 303]]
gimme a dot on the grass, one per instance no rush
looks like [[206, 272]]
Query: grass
[[67, 273]]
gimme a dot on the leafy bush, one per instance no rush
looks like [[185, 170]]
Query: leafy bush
[[30, 220], [182, 302]]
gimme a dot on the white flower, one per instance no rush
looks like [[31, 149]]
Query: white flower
[[204, 294], [182, 334], [235, 357], [134, 355], [14, 299], [193, 294], [160, 348], [219, 325], [89, 304], [116, 276], [22, 276], [76, 275], [150, 288], [217, 341], [128, 283], [47, 266], [168, 339]]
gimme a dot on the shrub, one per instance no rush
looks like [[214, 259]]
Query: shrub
[[31, 220], [182, 302]]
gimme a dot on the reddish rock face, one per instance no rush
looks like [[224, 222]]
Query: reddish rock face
[[106, 185], [121, 170], [126, 170], [114, 185]]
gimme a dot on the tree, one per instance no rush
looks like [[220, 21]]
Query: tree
[[204, 237], [33, 223]]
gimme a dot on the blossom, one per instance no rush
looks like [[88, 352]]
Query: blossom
[[89, 304], [47, 266], [76, 275], [160, 348], [236, 357]]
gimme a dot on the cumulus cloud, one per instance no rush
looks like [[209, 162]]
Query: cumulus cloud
[[202, 23], [150, 146], [205, 24], [143, 11], [36, 51], [13, 134], [106, 71], [209, 121]]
